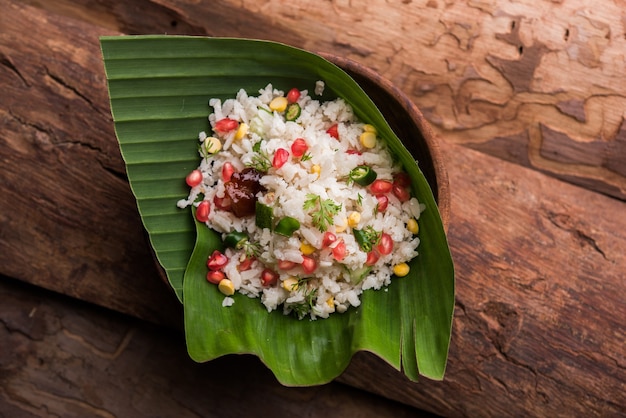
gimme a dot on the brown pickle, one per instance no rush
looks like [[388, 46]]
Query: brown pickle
[[242, 189]]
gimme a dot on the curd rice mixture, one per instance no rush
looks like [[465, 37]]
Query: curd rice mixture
[[310, 204]]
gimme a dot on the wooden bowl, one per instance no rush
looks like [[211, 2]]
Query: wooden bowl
[[408, 123]]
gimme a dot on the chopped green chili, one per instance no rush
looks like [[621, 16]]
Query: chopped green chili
[[363, 175], [293, 112], [264, 216], [287, 226]]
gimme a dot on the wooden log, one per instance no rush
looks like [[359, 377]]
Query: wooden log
[[66, 359], [539, 320], [68, 219], [538, 328], [540, 86]]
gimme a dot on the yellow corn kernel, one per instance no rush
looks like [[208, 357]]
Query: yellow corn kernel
[[353, 219], [212, 145], [306, 248], [316, 169], [242, 130], [279, 104], [226, 287], [401, 269], [370, 128], [368, 139], [413, 226], [341, 226], [330, 302], [290, 283]]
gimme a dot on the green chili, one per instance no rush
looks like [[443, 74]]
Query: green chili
[[264, 216], [293, 112], [287, 226], [367, 238], [363, 175], [235, 240]]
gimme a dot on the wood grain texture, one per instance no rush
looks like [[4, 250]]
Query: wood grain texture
[[59, 358], [62, 170], [544, 79], [539, 321], [538, 328]]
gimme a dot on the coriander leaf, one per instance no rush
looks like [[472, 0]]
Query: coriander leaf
[[325, 210]]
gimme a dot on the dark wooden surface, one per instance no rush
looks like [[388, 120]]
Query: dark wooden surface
[[60, 358], [539, 325]]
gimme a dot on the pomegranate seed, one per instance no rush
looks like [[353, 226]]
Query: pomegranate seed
[[328, 239], [285, 264], [299, 147], [194, 178], [246, 264], [268, 277], [372, 258], [385, 246], [217, 260], [381, 186], [203, 210], [280, 158], [227, 171], [226, 125], [383, 202], [293, 95], [215, 276], [339, 250], [402, 193], [332, 131], [402, 179], [308, 264]]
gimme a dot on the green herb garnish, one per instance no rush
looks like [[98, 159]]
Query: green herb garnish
[[323, 210], [310, 294], [260, 161]]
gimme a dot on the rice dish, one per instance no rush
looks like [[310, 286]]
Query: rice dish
[[311, 206]]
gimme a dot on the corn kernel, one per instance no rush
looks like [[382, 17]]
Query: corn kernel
[[226, 287], [413, 226], [370, 128], [368, 139], [290, 283], [279, 104], [316, 169], [401, 269], [242, 130], [341, 225], [330, 302], [306, 248], [353, 219], [212, 145]]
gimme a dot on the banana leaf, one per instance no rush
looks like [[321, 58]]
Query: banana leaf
[[159, 88]]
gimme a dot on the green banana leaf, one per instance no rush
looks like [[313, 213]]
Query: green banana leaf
[[159, 88]]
